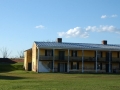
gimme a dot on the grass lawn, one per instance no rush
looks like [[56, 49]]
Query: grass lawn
[[23, 80]]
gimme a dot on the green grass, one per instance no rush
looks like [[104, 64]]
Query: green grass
[[23, 80], [10, 67]]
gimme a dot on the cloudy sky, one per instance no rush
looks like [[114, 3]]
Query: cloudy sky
[[83, 21]]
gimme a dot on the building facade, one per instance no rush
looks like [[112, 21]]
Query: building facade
[[73, 57]]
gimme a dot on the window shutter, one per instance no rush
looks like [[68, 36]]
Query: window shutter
[[71, 65], [100, 66], [77, 65], [94, 65], [65, 67], [101, 54], [52, 52], [95, 53], [118, 54], [119, 66], [58, 67], [72, 53], [45, 52], [110, 56], [76, 53], [52, 65], [107, 56]]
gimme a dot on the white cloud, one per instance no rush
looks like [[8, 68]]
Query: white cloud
[[104, 16], [114, 15], [84, 32], [102, 28], [75, 32], [40, 27]]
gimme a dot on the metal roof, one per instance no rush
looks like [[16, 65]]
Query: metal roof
[[86, 46]]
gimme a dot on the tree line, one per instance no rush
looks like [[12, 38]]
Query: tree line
[[5, 53]]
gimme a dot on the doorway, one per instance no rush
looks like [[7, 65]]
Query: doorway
[[107, 67], [29, 66], [61, 55], [62, 67]]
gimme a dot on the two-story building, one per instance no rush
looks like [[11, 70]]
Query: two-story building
[[73, 57]]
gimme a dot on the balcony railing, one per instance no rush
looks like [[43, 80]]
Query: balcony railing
[[46, 58], [101, 59], [65, 58], [115, 59], [89, 59], [75, 58]]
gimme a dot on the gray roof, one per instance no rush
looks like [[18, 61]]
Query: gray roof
[[83, 46]]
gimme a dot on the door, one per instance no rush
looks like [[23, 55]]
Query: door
[[107, 56], [29, 66], [61, 55], [62, 67], [107, 67]]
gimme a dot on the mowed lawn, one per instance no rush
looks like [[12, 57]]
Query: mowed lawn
[[23, 80]]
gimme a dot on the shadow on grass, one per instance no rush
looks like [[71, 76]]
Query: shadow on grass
[[10, 77]]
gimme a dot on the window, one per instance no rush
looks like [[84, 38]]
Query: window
[[48, 52], [74, 65], [74, 54]]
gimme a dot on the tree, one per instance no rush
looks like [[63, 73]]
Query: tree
[[21, 54], [5, 52]]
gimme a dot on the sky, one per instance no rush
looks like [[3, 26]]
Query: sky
[[83, 21]]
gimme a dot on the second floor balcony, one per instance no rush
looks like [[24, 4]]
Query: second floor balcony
[[78, 58]]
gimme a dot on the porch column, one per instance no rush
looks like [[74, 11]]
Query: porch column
[[68, 60], [109, 62], [38, 60], [53, 59], [82, 61], [96, 61]]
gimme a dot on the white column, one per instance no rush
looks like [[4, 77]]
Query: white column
[[38, 60], [109, 62], [53, 59], [82, 61], [68, 61], [96, 61]]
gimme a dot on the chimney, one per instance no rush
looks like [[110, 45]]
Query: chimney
[[104, 42], [59, 40]]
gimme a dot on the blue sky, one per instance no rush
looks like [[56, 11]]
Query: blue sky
[[86, 21]]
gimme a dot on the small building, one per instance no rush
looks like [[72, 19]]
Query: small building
[[73, 57]]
